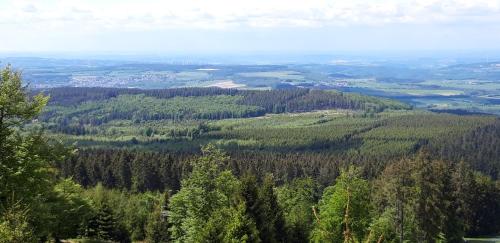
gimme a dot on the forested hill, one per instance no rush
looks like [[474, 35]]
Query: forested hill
[[272, 101], [269, 126]]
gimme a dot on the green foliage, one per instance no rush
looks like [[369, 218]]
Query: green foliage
[[105, 223], [393, 199], [484, 207], [23, 169], [241, 227], [157, 225], [383, 227], [428, 200], [230, 224], [267, 213], [297, 199], [206, 194], [15, 106], [131, 211], [68, 210], [27, 160], [14, 225], [344, 208]]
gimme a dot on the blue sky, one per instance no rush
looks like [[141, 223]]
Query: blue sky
[[257, 26]]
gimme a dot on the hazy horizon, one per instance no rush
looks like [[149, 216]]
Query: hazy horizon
[[428, 57]]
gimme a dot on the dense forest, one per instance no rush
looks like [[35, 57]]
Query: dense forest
[[215, 165], [273, 101]]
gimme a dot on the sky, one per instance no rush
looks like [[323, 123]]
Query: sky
[[254, 26]]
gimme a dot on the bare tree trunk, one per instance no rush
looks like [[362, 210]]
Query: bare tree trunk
[[347, 232]]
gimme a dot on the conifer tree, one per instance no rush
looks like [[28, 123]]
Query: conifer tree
[[106, 222], [157, 226], [269, 220], [27, 159], [208, 197]]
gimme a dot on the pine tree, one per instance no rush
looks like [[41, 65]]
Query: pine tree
[[392, 198], [296, 200], [270, 222], [27, 157], [124, 172], [22, 167], [464, 189], [240, 226], [250, 193], [106, 222], [428, 200], [157, 226], [208, 192], [80, 174]]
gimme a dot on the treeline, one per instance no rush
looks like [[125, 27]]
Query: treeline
[[273, 101], [69, 96], [415, 199], [141, 171]]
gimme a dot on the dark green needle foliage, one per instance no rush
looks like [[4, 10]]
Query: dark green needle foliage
[[157, 226]]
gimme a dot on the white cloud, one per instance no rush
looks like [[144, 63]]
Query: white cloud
[[232, 25], [222, 14]]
